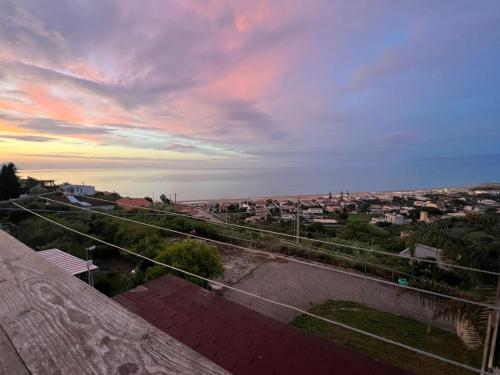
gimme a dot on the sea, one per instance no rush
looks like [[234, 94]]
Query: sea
[[225, 183]]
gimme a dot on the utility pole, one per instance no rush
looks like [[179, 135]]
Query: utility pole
[[297, 229], [491, 353]]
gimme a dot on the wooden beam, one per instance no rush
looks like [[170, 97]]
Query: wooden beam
[[59, 324], [10, 362]]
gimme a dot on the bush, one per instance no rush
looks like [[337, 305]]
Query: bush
[[189, 255]]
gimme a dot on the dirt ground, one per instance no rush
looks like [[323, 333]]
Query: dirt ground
[[303, 286]]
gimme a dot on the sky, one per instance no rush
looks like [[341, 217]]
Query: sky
[[249, 83]]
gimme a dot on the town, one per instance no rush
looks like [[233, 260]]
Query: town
[[289, 240], [384, 208]]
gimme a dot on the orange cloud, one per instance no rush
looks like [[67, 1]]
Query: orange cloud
[[53, 107]]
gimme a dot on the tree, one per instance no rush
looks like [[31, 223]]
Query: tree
[[164, 199], [189, 255], [10, 186]]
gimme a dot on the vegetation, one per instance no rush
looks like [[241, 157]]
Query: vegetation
[[10, 186], [473, 240], [120, 271], [197, 257], [395, 327]]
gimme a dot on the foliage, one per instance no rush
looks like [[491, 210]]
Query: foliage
[[10, 186], [189, 255], [112, 283], [396, 327], [164, 199]]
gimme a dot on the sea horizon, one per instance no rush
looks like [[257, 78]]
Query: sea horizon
[[232, 183]]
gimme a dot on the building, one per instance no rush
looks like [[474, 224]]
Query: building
[[84, 201], [333, 208], [261, 210], [287, 217], [405, 234], [128, 203], [78, 189], [426, 252], [326, 221], [424, 216], [239, 339], [395, 219], [313, 211]]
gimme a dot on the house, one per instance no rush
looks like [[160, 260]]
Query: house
[[405, 234], [128, 203], [84, 201], [391, 208], [78, 189], [424, 216], [239, 339], [376, 209], [425, 252], [420, 203], [488, 202], [261, 210], [287, 216], [377, 220], [313, 211], [395, 219], [326, 221]]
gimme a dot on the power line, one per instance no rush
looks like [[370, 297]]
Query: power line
[[450, 265], [309, 248], [363, 261], [294, 308], [316, 265], [78, 213]]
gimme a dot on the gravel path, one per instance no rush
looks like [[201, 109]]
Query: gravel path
[[303, 286]]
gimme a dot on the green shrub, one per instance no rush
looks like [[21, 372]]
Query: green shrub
[[189, 255]]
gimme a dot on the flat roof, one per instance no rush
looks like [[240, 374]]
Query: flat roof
[[66, 262], [54, 323]]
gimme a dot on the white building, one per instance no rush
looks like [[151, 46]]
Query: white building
[[313, 211], [78, 189], [287, 217], [426, 252], [395, 219]]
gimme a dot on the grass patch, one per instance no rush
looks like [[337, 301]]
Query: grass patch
[[399, 328], [365, 218]]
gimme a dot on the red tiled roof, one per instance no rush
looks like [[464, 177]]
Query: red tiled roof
[[239, 339], [127, 203]]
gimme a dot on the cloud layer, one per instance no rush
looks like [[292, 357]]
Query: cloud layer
[[268, 82]]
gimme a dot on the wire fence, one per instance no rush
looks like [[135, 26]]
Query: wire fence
[[256, 296]]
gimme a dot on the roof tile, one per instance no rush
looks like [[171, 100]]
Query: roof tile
[[239, 339]]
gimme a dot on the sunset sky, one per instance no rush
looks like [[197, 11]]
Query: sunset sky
[[248, 83]]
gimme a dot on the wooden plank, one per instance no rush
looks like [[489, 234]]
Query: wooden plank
[[59, 324], [10, 362]]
